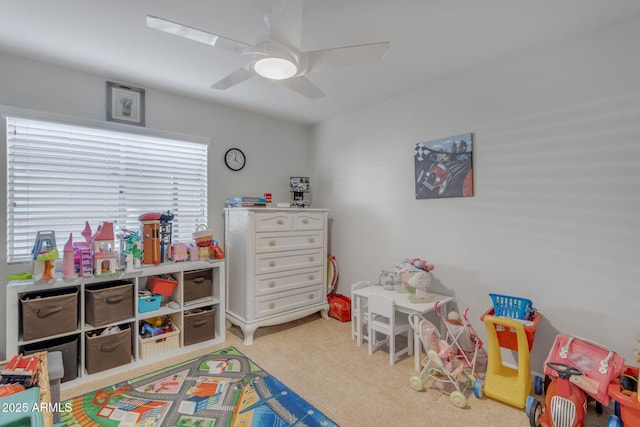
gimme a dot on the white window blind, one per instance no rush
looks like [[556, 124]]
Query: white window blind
[[59, 176]]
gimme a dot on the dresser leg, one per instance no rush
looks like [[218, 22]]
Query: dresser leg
[[247, 333]]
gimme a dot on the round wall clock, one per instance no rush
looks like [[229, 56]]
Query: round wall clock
[[235, 159]]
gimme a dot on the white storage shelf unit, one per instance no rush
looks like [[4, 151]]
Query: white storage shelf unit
[[15, 290]]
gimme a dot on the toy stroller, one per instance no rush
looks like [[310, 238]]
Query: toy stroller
[[441, 364], [467, 344]]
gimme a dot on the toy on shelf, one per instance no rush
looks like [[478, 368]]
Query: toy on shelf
[[203, 239], [105, 259], [44, 254], [68, 260], [215, 251], [514, 329], [156, 237], [130, 250], [179, 252], [82, 254]]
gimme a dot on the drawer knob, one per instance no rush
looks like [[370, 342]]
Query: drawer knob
[[272, 264], [311, 277], [272, 284], [272, 242], [280, 221], [305, 221], [312, 240], [272, 305], [310, 296], [311, 259]]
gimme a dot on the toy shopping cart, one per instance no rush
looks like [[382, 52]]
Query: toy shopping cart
[[510, 324], [441, 364]]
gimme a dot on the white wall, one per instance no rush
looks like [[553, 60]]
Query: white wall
[[557, 188]]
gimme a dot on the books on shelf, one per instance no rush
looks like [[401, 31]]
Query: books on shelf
[[246, 202]]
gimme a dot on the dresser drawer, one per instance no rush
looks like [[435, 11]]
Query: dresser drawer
[[271, 242], [288, 301], [308, 221], [273, 221], [281, 261], [279, 282]]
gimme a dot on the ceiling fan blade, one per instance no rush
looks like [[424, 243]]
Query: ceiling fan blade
[[195, 34], [303, 86], [343, 56], [238, 76], [285, 22]]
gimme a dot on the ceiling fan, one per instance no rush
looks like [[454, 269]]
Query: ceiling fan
[[278, 57]]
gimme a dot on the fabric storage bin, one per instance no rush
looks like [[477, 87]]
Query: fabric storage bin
[[108, 351], [49, 313], [162, 284], [199, 325], [198, 284], [160, 343], [68, 346], [108, 303], [149, 303]]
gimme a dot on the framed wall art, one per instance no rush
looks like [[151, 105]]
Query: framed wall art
[[125, 104], [444, 168]]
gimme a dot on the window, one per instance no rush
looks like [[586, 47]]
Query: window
[[59, 176]]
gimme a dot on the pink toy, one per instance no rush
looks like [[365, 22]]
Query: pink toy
[[179, 252], [193, 252], [104, 256], [421, 264], [69, 270]]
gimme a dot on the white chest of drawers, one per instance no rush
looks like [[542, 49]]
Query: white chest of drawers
[[276, 266]]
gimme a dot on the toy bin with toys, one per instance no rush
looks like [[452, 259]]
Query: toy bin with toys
[[157, 335], [162, 284]]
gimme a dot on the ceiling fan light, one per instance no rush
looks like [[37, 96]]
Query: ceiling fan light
[[275, 68]]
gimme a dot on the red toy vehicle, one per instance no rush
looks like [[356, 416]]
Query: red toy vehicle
[[565, 402]]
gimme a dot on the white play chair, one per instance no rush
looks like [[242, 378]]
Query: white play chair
[[363, 315], [383, 319]]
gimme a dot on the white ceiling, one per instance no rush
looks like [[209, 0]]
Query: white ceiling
[[430, 40]]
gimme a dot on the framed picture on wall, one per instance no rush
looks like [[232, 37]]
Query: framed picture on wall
[[444, 168], [125, 104]]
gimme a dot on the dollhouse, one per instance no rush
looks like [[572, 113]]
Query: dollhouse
[[105, 259]]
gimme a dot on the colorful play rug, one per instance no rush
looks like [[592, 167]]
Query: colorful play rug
[[223, 388]]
